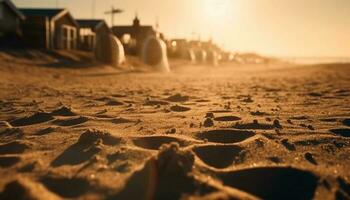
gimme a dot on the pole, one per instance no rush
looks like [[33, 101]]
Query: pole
[[112, 16], [57, 3], [93, 9]]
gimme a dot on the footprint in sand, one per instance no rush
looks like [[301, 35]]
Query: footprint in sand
[[121, 121], [225, 135], [71, 121], [328, 120], [9, 161], [257, 125], [345, 132], [114, 103], [110, 101], [24, 188], [149, 102], [154, 142], [36, 118], [46, 131], [178, 98], [218, 156], [227, 118], [177, 108], [344, 189], [346, 122], [258, 113], [273, 182], [14, 147], [66, 187]]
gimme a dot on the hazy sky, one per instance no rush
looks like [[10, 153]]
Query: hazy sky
[[272, 27]]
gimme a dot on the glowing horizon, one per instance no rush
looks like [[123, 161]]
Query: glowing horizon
[[295, 28]]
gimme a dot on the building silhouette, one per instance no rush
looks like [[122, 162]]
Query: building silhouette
[[133, 37], [90, 30], [10, 20], [50, 28]]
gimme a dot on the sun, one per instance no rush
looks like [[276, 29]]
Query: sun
[[217, 10]]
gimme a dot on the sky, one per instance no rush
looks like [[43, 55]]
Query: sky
[[291, 28]]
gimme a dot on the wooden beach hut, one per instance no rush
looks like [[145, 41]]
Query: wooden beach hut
[[50, 28], [10, 20]]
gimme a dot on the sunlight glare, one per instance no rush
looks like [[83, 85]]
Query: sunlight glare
[[217, 11]]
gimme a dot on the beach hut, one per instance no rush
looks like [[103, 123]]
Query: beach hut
[[10, 19], [50, 28], [89, 31]]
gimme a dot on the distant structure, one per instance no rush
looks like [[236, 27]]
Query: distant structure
[[89, 31], [110, 50], [133, 37], [177, 47], [113, 12], [10, 19], [154, 53], [50, 29]]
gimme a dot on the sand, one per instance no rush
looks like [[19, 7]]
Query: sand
[[233, 131]]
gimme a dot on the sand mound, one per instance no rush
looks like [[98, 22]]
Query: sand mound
[[36, 118], [218, 156], [155, 142], [225, 135], [165, 176], [177, 108], [208, 122], [273, 182], [227, 118], [63, 111], [88, 145], [23, 188], [90, 136]]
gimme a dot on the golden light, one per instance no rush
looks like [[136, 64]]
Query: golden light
[[217, 11], [173, 43]]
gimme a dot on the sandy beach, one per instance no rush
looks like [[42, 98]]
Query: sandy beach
[[233, 131]]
